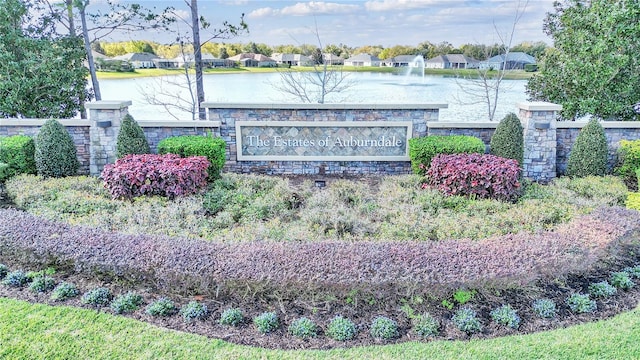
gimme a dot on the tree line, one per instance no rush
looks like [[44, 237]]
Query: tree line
[[427, 49]]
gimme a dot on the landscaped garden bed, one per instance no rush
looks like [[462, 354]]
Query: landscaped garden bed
[[269, 245]]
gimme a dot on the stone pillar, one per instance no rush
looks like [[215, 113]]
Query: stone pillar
[[105, 117], [539, 122]]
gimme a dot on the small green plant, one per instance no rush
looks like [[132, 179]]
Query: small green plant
[[581, 303], [194, 311], [463, 296], [545, 308], [602, 289], [55, 153], [506, 315], [3, 271], [126, 303], [383, 328], [303, 328], [161, 307], [633, 272], [621, 280], [589, 153], [97, 297], [466, 320], [131, 139], [341, 329], [64, 291], [447, 304], [232, 316], [266, 322], [426, 325], [16, 278], [42, 284]]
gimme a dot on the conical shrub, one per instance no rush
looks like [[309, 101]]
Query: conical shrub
[[55, 152], [508, 139], [131, 139], [589, 153]]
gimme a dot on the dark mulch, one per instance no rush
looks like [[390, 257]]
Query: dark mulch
[[362, 312]]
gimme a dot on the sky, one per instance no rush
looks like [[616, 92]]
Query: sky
[[367, 22]]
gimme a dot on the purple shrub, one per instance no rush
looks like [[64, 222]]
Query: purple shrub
[[484, 176], [165, 175], [180, 265]]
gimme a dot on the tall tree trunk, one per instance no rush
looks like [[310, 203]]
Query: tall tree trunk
[[72, 33], [197, 54], [87, 48]]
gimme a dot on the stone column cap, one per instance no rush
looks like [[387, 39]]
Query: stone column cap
[[108, 104], [539, 106]]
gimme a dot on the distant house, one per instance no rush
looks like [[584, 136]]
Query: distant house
[[514, 61], [291, 59], [208, 61], [362, 60], [253, 60], [139, 60], [331, 59], [452, 61], [404, 61]]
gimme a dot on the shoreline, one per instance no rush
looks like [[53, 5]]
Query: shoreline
[[139, 73]]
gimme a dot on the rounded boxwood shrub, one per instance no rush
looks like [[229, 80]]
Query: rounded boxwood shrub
[[42, 284], [303, 328], [161, 307], [508, 139], [266, 322], [426, 325], [97, 297], [213, 148], [194, 311], [341, 329], [131, 139], [505, 315], [232, 316], [383, 328], [64, 291], [465, 319], [18, 153], [589, 153], [423, 149], [126, 303], [55, 152]]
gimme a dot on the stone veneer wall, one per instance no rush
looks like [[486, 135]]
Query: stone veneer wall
[[548, 141], [227, 114]]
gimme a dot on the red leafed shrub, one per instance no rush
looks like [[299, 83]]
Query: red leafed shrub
[[148, 174], [484, 176]]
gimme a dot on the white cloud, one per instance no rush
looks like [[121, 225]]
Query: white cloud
[[399, 5], [263, 12], [319, 8]]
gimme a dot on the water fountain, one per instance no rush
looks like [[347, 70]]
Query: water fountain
[[417, 64]]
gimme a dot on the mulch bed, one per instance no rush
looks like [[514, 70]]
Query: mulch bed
[[361, 312]]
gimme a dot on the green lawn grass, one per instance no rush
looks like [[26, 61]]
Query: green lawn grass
[[516, 74], [36, 331]]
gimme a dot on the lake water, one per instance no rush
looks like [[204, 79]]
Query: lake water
[[372, 88]]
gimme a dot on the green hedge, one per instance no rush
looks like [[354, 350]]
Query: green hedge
[[423, 149], [508, 139], [628, 160], [588, 156], [18, 153], [194, 145]]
